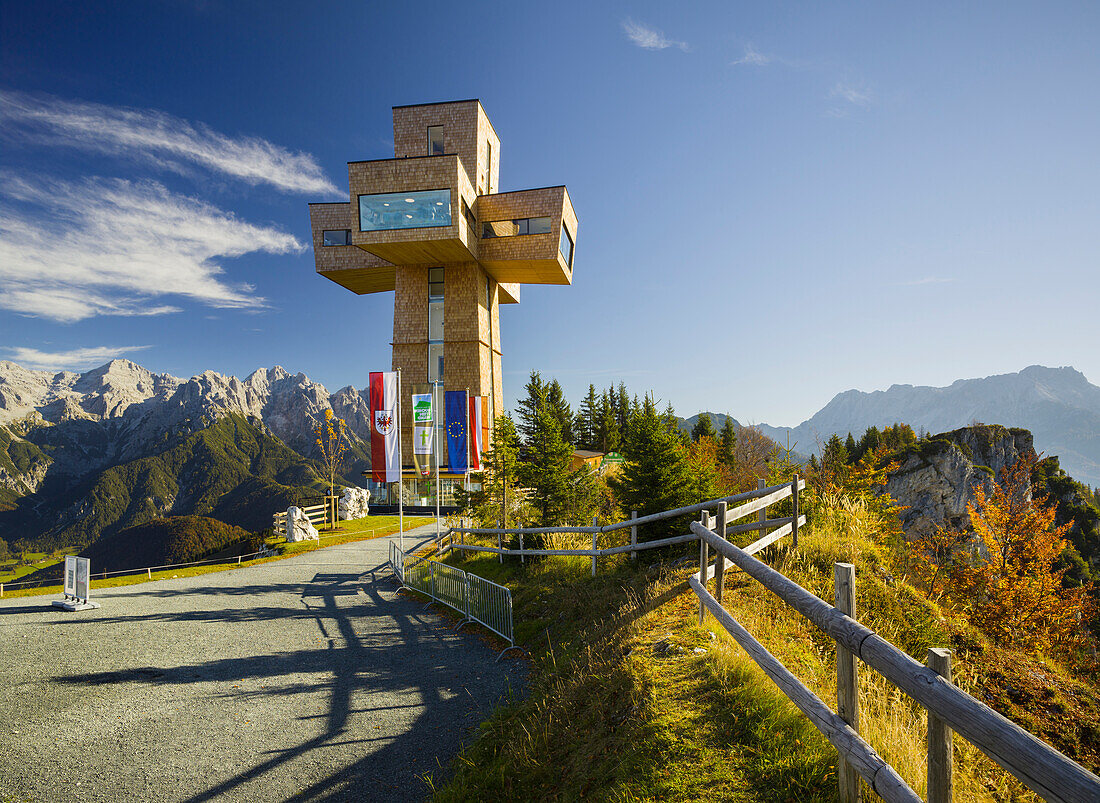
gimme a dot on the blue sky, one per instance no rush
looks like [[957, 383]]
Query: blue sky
[[777, 201]]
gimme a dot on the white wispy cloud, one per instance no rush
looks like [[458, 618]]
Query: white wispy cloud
[[73, 360], [846, 97], [74, 250], [752, 57], [649, 38], [157, 137]]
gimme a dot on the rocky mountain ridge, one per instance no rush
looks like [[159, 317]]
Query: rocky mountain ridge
[[1059, 406], [72, 445]]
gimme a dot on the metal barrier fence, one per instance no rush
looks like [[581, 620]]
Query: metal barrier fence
[[477, 599]]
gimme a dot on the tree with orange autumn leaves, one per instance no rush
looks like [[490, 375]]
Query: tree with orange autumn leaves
[[1008, 580], [331, 445]]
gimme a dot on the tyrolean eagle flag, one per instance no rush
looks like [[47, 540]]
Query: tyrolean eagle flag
[[385, 463]]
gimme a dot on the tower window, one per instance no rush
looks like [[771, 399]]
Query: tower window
[[565, 245], [435, 140], [336, 237]]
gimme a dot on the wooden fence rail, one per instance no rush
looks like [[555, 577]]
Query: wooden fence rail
[[1052, 775]]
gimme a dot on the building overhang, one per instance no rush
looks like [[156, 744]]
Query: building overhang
[[525, 258]]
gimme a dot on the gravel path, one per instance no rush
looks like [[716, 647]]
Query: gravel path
[[308, 679]]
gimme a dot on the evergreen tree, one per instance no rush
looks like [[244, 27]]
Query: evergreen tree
[[850, 447], [868, 443], [528, 406], [545, 467], [560, 409], [607, 429], [623, 409], [655, 474], [588, 421], [501, 460], [704, 428], [727, 444], [834, 459]]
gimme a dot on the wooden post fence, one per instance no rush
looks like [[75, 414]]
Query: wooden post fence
[[704, 561], [595, 546], [847, 679], [720, 559], [633, 534], [940, 748]]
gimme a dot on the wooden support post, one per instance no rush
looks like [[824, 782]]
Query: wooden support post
[[149, 572], [762, 514], [633, 534], [940, 748], [1, 589], [794, 512], [500, 545], [704, 559], [521, 555], [594, 546], [847, 680], [720, 559]]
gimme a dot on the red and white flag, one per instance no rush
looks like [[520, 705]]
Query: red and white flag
[[385, 462], [477, 434]]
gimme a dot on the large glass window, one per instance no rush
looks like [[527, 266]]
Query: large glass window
[[516, 226], [435, 140], [337, 237], [565, 245], [404, 210]]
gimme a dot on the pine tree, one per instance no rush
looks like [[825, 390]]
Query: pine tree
[[655, 474], [501, 460], [727, 444], [850, 447], [704, 428], [607, 429], [587, 421], [623, 409], [545, 467], [528, 406], [559, 408]]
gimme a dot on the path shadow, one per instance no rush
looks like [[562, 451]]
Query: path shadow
[[415, 658]]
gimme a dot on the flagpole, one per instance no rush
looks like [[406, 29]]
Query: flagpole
[[400, 471], [438, 412], [469, 442]]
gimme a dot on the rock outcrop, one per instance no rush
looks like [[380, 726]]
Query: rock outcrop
[[936, 477], [354, 503], [299, 527]]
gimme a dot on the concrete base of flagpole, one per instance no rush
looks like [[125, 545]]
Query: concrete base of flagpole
[[74, 605]]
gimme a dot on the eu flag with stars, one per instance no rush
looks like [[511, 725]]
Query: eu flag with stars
[[457, 451]]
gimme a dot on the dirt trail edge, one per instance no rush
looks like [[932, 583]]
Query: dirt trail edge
[[307, 679]]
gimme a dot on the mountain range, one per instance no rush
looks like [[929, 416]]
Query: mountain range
[[82, 455], [1059, 406]]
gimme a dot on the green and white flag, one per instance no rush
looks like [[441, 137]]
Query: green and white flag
[[422, 408], [423, 431]]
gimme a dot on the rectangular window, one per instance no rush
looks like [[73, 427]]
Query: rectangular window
[[435, 320], [435, 283], [435, 140], [404, 210], [565, 245], [337, 237], [435, 362], [515, 227]]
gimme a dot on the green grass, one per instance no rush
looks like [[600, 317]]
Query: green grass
[[610, 717], [348, 531], [611, 714]]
